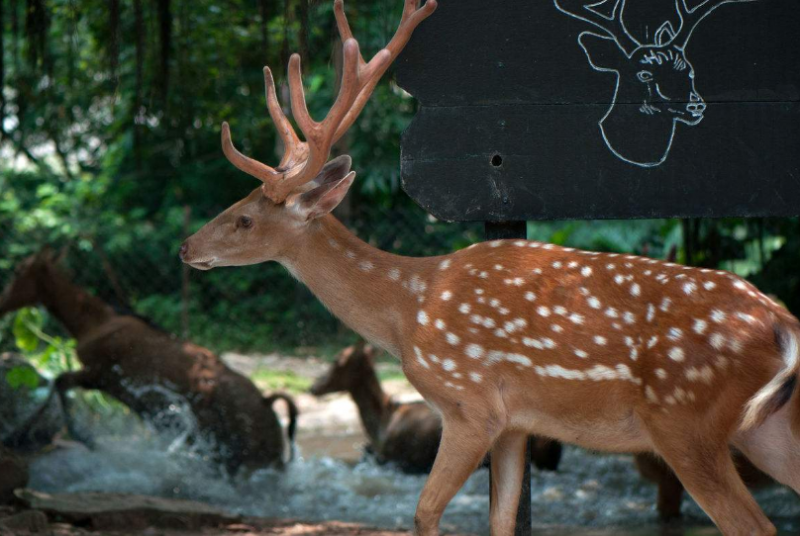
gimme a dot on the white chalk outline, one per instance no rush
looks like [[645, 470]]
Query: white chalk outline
[[659, 41]]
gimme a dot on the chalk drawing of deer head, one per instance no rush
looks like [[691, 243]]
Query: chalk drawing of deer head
[[655, 87]]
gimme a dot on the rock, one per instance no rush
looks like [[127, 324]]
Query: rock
[[14, 473], [18, 404], [114, 511], [27, 522]]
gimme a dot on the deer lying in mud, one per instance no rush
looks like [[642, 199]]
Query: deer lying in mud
[[406, 434], [512, 338], [137, 364]]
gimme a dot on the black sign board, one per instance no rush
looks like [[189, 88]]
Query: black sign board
[[560, 109]]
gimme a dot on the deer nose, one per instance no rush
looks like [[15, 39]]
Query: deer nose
[[184, 250]]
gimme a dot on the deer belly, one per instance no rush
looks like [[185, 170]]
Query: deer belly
[[612, 431]]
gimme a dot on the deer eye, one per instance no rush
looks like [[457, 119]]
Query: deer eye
[[244, 222], [644, 76]]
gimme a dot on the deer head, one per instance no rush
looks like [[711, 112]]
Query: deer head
[[351, 366], [26, 287], [304, 186], [655, 81]]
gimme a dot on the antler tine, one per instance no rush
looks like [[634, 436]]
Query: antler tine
[[369, 74], [291, 142], [319, 135], [613, 27], [302, 160], [252, 167], [690, 18]]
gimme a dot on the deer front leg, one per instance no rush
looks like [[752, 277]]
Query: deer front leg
[[508, 468], [463, 447], [65, 383]]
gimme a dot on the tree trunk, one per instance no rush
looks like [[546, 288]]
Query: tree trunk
[[113, 45], [138, 28], [165, 34]]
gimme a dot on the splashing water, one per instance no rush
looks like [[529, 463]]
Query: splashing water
[[588, 492]]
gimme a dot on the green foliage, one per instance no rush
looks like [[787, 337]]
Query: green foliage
[[270, 380], [111, 133], [48, 353], [22, 376]]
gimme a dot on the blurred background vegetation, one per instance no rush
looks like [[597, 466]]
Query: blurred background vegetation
[[110, 113]]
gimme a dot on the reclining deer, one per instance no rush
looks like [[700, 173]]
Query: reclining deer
[[406, 434], [125, 357], [513, 338]]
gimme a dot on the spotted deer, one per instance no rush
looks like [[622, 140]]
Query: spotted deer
[[510, 338], [655, 81]]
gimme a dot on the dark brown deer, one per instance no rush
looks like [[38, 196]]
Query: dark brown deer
[[405, 433], [144, 367], [512, 338], [657, 77]]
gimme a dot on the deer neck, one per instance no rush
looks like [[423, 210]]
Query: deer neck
[[371, 291], [372, 403], [76, 309]]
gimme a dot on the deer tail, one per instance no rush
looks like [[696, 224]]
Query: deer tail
[[775, 394], [293, 411]]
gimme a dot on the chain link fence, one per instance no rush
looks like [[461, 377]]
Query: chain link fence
[[254, 308]]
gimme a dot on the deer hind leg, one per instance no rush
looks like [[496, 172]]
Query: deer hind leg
[[508, 468], [463, 447], [773, 448], [705, 467]]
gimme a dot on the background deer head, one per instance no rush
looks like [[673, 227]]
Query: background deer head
[[655, 81]]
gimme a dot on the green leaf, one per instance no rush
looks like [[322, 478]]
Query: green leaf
[[22, 376], [25, 338]]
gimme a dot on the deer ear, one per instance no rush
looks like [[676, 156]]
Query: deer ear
[[603, 52], [333, 170], [323, 199], [665, 34]]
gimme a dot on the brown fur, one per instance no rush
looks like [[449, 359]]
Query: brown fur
[[122, 353], [670, 489], [406, 434]]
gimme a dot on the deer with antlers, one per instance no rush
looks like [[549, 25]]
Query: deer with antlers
[[657, 77], [510, 338]]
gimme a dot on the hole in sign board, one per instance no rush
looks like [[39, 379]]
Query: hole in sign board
[[497, 160]]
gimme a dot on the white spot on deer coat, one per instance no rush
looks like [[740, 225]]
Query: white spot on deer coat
[[452, 338], [449, 365], [394, 274], [446, 295], [475, 351], [700, 326], [422, 318], [530, 296], [676, 354], [445, 264]]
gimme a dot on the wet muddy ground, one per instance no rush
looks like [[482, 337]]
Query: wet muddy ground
[[334, 490]]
